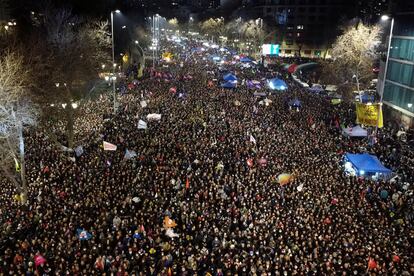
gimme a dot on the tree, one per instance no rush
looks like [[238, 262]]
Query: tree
[[213, 26], [173, 23], [15, 114], [353, 55], [74, 49]]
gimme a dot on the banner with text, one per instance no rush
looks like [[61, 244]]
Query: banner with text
[[367, 114]]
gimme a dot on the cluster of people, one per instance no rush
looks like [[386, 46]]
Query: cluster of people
[[201, 196]]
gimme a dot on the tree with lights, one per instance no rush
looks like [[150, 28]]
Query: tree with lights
[[353, 53], [16, 113], [213, 27]]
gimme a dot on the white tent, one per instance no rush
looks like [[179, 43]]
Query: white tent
[[356, 131]]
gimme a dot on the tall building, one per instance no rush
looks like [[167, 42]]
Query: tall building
[[370, 10], [399, 82], [304, 27]]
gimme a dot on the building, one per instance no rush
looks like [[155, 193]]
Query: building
[[304, 27], [398, 95], [370, 10], [202, 5]]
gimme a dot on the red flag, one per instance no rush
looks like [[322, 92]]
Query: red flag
[[187, 184], [371, 264], [249, 162]]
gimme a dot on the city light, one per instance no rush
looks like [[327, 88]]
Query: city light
[[385, 17]]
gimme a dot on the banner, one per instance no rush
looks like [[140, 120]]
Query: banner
[[367, 114], [109, 146]]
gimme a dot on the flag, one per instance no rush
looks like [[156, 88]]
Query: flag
[[173, 90], [143, 104], [284, 178], [372, 264], [79, 151], [109, 146], [142, 125], [170, 233], [249, 162], [17, 165], [39, 260], [255, 109], [187, 183], [154, 116], [300, 187], [369, 114], [169, 223], [263, 162], [252, 139], [83, 235], [130, 154], [137, 235]]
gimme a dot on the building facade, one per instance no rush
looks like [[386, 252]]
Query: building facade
[[399, 82], [304, 27]]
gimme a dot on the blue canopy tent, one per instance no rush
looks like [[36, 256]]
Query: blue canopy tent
[[295, 103], [246, 59], [229, 84], [230, 77], [277, 84], [365, 165]]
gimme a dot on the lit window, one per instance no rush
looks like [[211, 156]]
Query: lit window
[[299, 27]]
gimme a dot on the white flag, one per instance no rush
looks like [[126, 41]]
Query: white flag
[[79, 151], [109, 146], [154, 116], [252, 139], [143, 104], [130, 154], [170, 233], [142, 124], [300, 188]]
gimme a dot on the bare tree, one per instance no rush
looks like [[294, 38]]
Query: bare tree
[[75, 51], [354, 53], [15, 114]]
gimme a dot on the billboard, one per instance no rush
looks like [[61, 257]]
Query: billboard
[[270, 49]]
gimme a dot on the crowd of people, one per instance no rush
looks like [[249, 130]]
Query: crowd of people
[[189, 203]]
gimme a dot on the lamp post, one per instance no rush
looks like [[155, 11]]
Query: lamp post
[[384, 18], [113, 56]]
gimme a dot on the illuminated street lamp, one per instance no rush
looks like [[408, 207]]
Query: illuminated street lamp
[[113, 54], [384, 18]]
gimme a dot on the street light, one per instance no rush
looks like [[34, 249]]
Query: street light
[[384, 18], [113, 55]]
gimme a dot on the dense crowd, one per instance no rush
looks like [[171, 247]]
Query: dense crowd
[[232, 218]]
